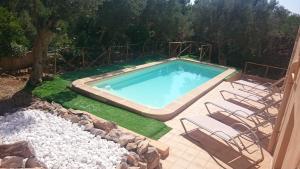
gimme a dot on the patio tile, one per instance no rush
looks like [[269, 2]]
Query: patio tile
[[206, 152]]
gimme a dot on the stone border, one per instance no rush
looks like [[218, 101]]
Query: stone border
[[19, 155], [166, 113], [144, 153]]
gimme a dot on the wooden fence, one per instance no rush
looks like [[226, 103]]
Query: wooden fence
[[263, 70], [16, 63], [81, 57]]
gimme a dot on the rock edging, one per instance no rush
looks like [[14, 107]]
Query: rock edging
[[141, 156], [19, 155]]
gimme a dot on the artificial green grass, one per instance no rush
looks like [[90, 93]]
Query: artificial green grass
[[57, 90]]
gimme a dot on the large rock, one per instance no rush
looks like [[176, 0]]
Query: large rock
[[104, 125], [86, 117], [62, 111], [142, 147], [133, 159], [84, 122], [12, 162], [73, 118], [88, 127], [114, 135], [142, 165], [122, 165], [125, 139], [131, 146], [139, 138], [98, 132], [34, 162], [21, 149], [77, 112], [152, 157], [67, 116]]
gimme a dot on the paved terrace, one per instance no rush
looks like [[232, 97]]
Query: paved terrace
[[208, 153]]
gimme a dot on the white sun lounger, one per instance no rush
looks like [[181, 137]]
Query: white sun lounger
[[228, 134], [250, 86], [243, 113], [245, 96]]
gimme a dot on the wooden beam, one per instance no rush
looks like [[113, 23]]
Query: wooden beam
[[293, 66]]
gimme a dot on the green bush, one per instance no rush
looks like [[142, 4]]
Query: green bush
[[12, 38]]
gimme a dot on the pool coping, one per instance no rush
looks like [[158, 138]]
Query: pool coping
[[163, 114]]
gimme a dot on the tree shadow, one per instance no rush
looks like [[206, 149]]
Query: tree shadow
[[18, 101], [23, 121], [61, 97], [219, 151], [86, 72]]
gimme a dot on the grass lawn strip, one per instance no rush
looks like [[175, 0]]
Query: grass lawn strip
[[58, 91]]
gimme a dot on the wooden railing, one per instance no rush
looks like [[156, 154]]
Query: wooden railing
[[265, 67], [176, 49]]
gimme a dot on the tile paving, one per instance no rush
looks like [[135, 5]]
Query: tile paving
[[204, 152]]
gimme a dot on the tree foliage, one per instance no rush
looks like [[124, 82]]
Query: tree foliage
[[243, 30], [239, 30], [12, 38]]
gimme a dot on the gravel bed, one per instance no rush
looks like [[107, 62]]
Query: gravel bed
[[59, 143]]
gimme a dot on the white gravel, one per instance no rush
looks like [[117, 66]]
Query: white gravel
[[59, 143]]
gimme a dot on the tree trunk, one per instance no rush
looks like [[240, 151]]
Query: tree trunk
[[39, 52]]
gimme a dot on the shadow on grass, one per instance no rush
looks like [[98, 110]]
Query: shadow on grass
[[62, 97], [71, 76]]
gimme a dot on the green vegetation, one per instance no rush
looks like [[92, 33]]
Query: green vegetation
[[238, 30], [12, 37], [58, 91]]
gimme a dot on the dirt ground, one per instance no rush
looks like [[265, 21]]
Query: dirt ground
[[12, 95]]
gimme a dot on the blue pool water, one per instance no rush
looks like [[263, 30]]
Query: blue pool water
[[159, 85]]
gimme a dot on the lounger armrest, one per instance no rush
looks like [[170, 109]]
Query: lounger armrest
[[221, 91]]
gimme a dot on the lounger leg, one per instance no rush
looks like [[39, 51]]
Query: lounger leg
[[186, 132], [256, 141]]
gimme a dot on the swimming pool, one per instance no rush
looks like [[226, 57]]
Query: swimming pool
[[159, 90], [159, 85]]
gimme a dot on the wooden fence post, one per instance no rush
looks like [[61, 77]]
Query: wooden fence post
[[266, 71], [83, 55], [210, 49], [126, 52], [55, 69], [169, 49], [143, 49], [109, 53]]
